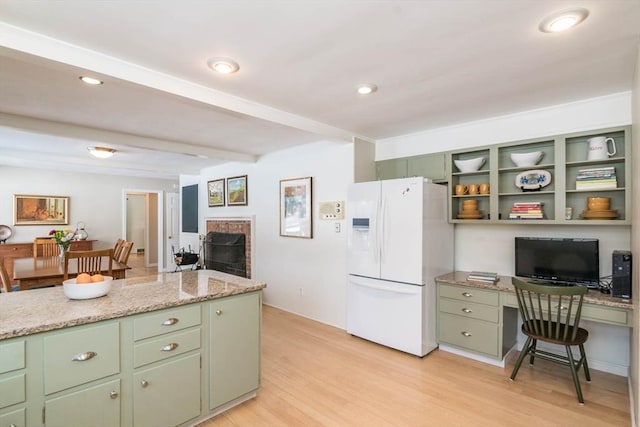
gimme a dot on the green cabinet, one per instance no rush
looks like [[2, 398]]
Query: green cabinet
[[234, 348], [15, 418], [391, 169], [431, 166], [96, 406]]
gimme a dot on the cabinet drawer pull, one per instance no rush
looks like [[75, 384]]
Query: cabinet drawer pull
[[466, 334], [81, 357], [170, 321], [466, 310], [218, 312], [144, 383], [467, 294], [170, 347], [113, 394]]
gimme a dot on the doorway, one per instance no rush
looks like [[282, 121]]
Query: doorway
[[141, 225]]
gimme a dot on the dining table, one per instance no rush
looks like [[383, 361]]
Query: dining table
[[40, 271]]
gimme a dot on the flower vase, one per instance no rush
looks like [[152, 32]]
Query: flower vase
[[63, 249]]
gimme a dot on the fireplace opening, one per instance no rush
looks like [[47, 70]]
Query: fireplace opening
[[226, 252]]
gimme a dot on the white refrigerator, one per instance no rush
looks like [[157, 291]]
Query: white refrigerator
[[398, 241]]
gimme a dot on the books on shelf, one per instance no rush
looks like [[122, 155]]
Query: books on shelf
[[526, 210], [483, 276], [603, 178]]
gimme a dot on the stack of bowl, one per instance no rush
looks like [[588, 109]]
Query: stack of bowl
[[599, 208], [470, 210]]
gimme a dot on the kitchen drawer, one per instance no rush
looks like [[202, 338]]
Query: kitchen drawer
[[12, 390], [474, 335], [467, 293], [171, 320], [63, 367], [11, 356], [15, 418], [166, 346], [469, 309]]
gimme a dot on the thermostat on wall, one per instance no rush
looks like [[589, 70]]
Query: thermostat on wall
[[332, 210]]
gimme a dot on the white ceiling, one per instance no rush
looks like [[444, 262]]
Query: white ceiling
[[436, 63]]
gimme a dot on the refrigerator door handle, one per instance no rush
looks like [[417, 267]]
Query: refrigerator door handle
[[383, 229]]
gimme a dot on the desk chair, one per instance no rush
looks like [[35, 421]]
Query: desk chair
[[48, 247], [552, 314], [125, 252], [89, 261]]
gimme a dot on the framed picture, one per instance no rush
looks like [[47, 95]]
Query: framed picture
[[295, 208], [237, 191], [215, 193], [40, 210]]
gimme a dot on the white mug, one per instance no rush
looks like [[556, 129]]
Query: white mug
[[598, 148]]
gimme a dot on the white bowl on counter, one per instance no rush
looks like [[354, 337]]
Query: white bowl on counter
[[470, 165], [526, 159], [73, 290]]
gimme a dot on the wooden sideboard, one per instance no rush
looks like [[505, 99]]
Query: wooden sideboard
[[25, 250]]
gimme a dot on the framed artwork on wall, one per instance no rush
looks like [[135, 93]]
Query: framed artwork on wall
[[215, 193], [296, 208], [40, 210], [237, 191]]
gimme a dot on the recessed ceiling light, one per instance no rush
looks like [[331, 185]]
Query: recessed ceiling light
[[101, 152], [563, 20], [91, 80], [366, 89], [223, 65]]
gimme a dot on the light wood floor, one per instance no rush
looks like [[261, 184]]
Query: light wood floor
[[317, 375], [136, 262]]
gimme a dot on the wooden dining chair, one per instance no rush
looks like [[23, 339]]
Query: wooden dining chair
[[551, 314], [90, 262], [5, 285], [117, 249], [45, 247], [125, 252]]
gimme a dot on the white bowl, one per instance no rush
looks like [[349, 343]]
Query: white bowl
[[470, 165], [72, 290], [526, 159]]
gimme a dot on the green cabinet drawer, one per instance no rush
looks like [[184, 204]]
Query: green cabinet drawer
[[80, 356], [166, 346], [15, 418], [11, 356], [469, 309], [467, 293], [12, 391], [470, 334], [150, 325], [97, 406], [167, 395]]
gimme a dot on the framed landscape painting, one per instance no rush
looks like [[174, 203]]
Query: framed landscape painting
[[40, 210], [215, 193], [237, 191], [295, 208]]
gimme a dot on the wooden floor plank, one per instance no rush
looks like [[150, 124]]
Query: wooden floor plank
[[316, 375]]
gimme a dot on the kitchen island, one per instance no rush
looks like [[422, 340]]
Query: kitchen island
[[171, 349]]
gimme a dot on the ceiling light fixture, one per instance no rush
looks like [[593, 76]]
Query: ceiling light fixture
[[101, 152], [366, 89], [561, 21], [91, 80], [223, 65]]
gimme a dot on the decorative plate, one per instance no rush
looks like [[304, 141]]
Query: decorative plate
[[533, 180], [5, 233]]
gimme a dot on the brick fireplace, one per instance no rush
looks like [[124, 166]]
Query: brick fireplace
[[234, 225]]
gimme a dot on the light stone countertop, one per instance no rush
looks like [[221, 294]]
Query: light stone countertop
[[39, 310], [593, 296]]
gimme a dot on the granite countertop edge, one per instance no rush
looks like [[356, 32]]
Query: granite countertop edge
[[41, 310]]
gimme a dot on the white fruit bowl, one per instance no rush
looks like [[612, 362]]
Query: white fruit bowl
[[526, 159], [72, 290], [470, 165]]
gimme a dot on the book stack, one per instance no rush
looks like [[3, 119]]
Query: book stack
[[526, 210], [596, 178], [483, 276]]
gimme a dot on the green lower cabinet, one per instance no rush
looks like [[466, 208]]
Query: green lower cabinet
[[234, 347], [471, 334], [97, 406], [15, 418], [167, 395]]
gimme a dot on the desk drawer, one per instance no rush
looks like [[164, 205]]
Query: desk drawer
[[99, 344], [468, 293], [469, 309], [15, 418], [165, 321], [166, 346], [11, 356], [474, 335], [12, 390]]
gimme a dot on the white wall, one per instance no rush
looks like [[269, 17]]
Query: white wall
[[286, 264], [96, 200]]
